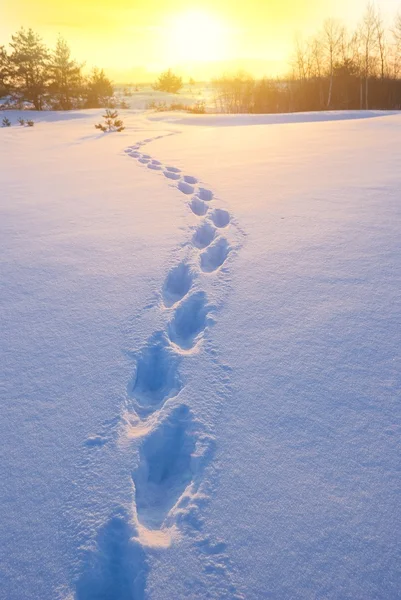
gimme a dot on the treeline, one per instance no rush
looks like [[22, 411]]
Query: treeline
[[337, 69], [33, 74]]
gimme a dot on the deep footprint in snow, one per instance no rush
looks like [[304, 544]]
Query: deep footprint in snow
[[156, 162], [165, 468], [206, 195], [215, 256], [177, 284], [198, 207], [190, 179], [156, 378], [220, 217], [173, 169], [135, 154], [146, 156], [144, 160], [171, 175], [185, 188], [204, 235], [117, 568], [154, 167], [189, 321]]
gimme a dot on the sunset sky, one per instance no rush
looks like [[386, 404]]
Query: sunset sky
[[129, 34]]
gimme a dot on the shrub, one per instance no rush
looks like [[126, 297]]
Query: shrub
[[6, 122], [199, 108]]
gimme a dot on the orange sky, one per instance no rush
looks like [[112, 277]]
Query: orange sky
[[124, 34]]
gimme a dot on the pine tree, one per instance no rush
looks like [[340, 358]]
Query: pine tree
[[65, 77], [4, 72], [29, 67], [168, 82], [99, 89], [112, 122]]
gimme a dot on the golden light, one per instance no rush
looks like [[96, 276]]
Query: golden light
[[196, 35]]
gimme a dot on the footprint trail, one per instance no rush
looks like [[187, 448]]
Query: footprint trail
[[172, 446]]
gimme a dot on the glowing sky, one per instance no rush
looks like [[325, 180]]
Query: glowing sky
[[123, 34]]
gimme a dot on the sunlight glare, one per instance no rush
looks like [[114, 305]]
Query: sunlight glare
[[197, 35]]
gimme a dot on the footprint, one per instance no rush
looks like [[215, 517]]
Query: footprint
[[154, 167], [177, 284], [204, 194], [117, 568], [171, 175], [204, 235], [156, 162], [146, 156], [189, 321], [173, 169], [95, 441], [135, 154], [220, 218], [143, 160], [165, 469], [190, 179], [185, 188], [156, 378], [214, 256], [198, 207]]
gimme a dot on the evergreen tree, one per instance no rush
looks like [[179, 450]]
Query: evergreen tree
[[29, 67], [168, 82], [65, 77], [4, 72], [99, 89]]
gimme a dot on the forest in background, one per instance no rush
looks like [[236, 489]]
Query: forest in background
[[337, 69], [32, 74]]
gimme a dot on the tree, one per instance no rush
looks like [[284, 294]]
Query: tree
[[4, 71], [65, 76], [99, 89], [332, 37], [381, 44], [396, 31], [112, 122], [168, 82], [369, 44], [29, 67]]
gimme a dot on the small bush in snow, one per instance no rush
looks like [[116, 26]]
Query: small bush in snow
[[6, 122], [199, 108], [111, 122], [27, 123]]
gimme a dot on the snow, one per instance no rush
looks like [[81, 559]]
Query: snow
[[201, 350]]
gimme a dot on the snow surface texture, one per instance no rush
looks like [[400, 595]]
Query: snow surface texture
[[246, 442]]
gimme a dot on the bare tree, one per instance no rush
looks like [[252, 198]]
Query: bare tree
[[369, 46], [332, 32], [396, 49], [381, 44]]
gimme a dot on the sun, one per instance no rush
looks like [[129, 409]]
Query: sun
[[196, 35]]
